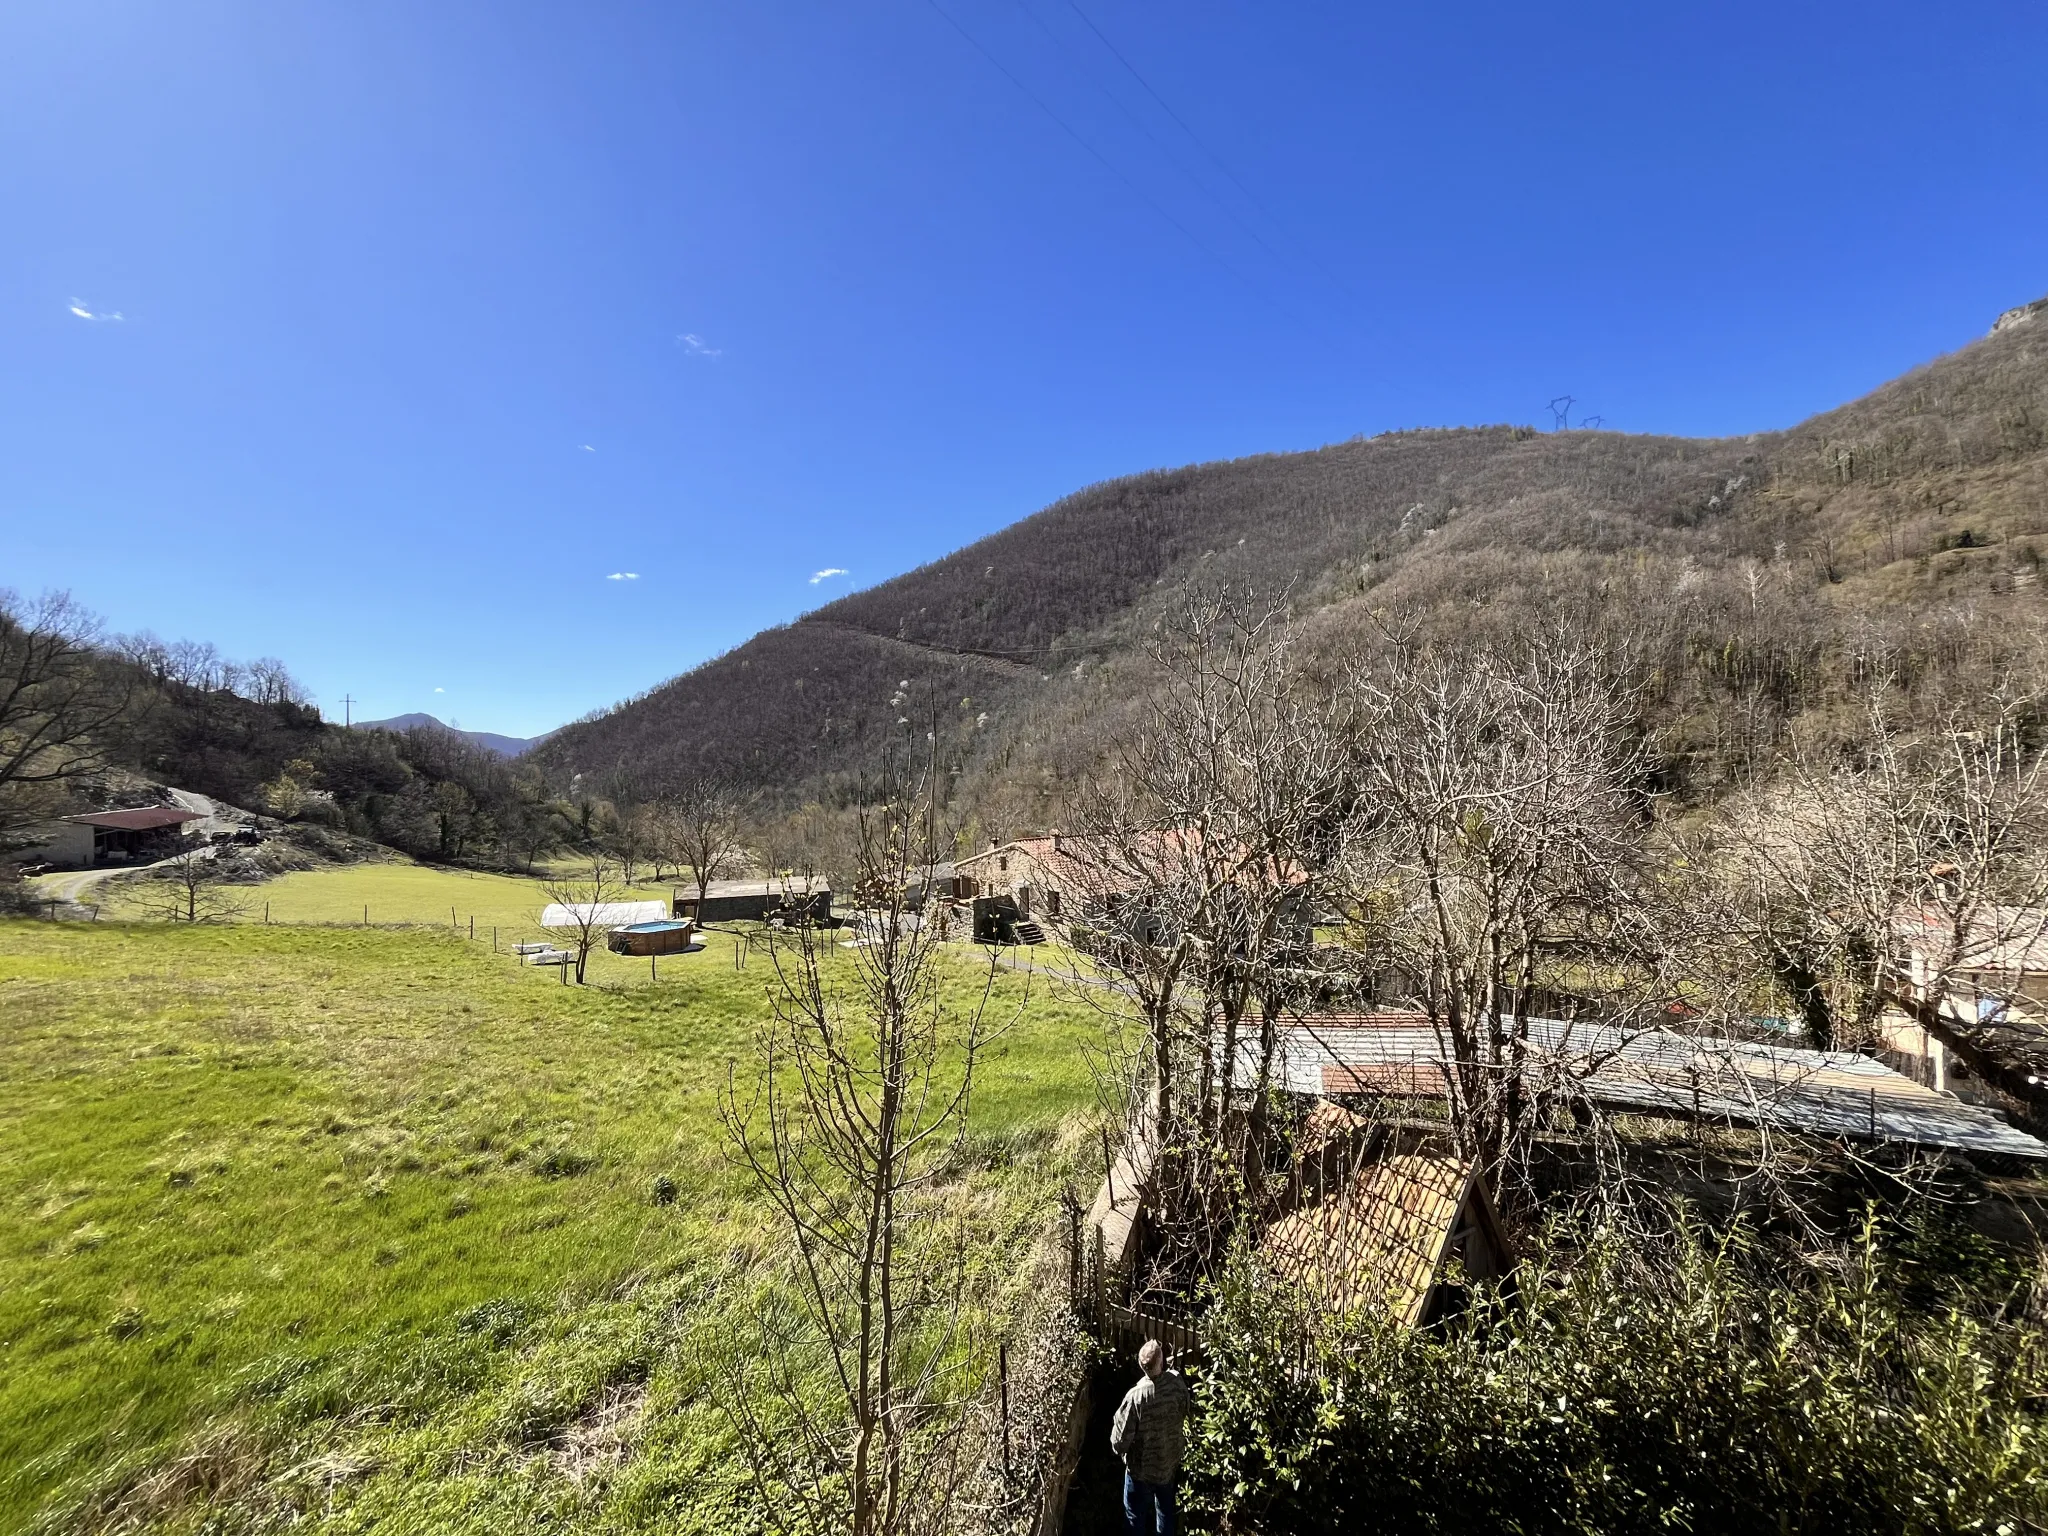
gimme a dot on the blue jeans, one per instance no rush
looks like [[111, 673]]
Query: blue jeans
[[1148, 1507]]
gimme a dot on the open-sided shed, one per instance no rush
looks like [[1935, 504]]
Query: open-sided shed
[[1385, 1217]]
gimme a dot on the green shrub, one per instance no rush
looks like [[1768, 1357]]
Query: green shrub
[[1681, 1383]]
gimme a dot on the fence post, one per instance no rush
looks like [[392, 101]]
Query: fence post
[[1100, 1264], [472, 925], [1003, 1372], [1073, 1249]]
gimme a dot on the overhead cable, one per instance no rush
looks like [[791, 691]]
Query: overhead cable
[[1068, 129], [1200, 143], [1138, 123]]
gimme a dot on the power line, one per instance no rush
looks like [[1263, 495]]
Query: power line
[[1138, 123], [1137, 191], [1214, 158], [1184, 128]]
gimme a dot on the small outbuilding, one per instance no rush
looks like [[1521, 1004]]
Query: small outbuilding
[[735, 901], [1387, 1217], [115, 837]]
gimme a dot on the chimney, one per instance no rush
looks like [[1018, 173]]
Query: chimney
[[1056, 848]]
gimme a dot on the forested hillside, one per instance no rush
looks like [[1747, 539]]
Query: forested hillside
[[1747, 570], [89, 720]]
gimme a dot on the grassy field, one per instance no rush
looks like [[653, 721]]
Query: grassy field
[[392, 893], [356, 1225]]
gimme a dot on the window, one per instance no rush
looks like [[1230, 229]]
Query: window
[[1003, 864], [1052, 903]]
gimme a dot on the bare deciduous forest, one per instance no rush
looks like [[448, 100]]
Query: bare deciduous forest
[[1762, 577]]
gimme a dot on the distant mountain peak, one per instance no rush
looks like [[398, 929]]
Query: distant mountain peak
[[490, 741]]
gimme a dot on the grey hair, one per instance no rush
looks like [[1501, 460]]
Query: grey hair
[[1150, 1354]]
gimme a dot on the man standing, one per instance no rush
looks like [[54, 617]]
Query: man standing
[[1147, 1435]]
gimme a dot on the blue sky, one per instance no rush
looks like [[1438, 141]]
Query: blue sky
[[433, 319]]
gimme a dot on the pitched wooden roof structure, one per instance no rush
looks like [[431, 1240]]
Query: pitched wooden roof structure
[[1385, 1213]]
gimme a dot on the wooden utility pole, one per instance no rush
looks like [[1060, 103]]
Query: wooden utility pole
[[348, 704]]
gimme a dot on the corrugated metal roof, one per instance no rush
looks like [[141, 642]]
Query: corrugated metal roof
[[1829, 1093], [146, 819], [794, 885]]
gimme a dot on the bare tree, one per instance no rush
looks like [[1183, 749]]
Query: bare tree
[[624, 834], [57, 701], [814, 839], [1498, 859], [191, 887], [536, 822], [268, 681], [853, 1409], [700, 820], [1210, 844], [1907, 874], [589, 900]]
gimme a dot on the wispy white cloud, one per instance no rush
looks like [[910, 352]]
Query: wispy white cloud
[[696, 345], [440, 690], [623, 576], [588, 449], [85, 311], [829, 571]]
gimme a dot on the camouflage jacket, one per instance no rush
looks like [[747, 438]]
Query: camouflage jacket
[[1147, 1433]]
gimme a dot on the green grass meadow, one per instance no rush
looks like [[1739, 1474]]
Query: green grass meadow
[[355, 1226], [393, 892]]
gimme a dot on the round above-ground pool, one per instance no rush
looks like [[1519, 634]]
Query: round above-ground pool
[[668, 937]]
